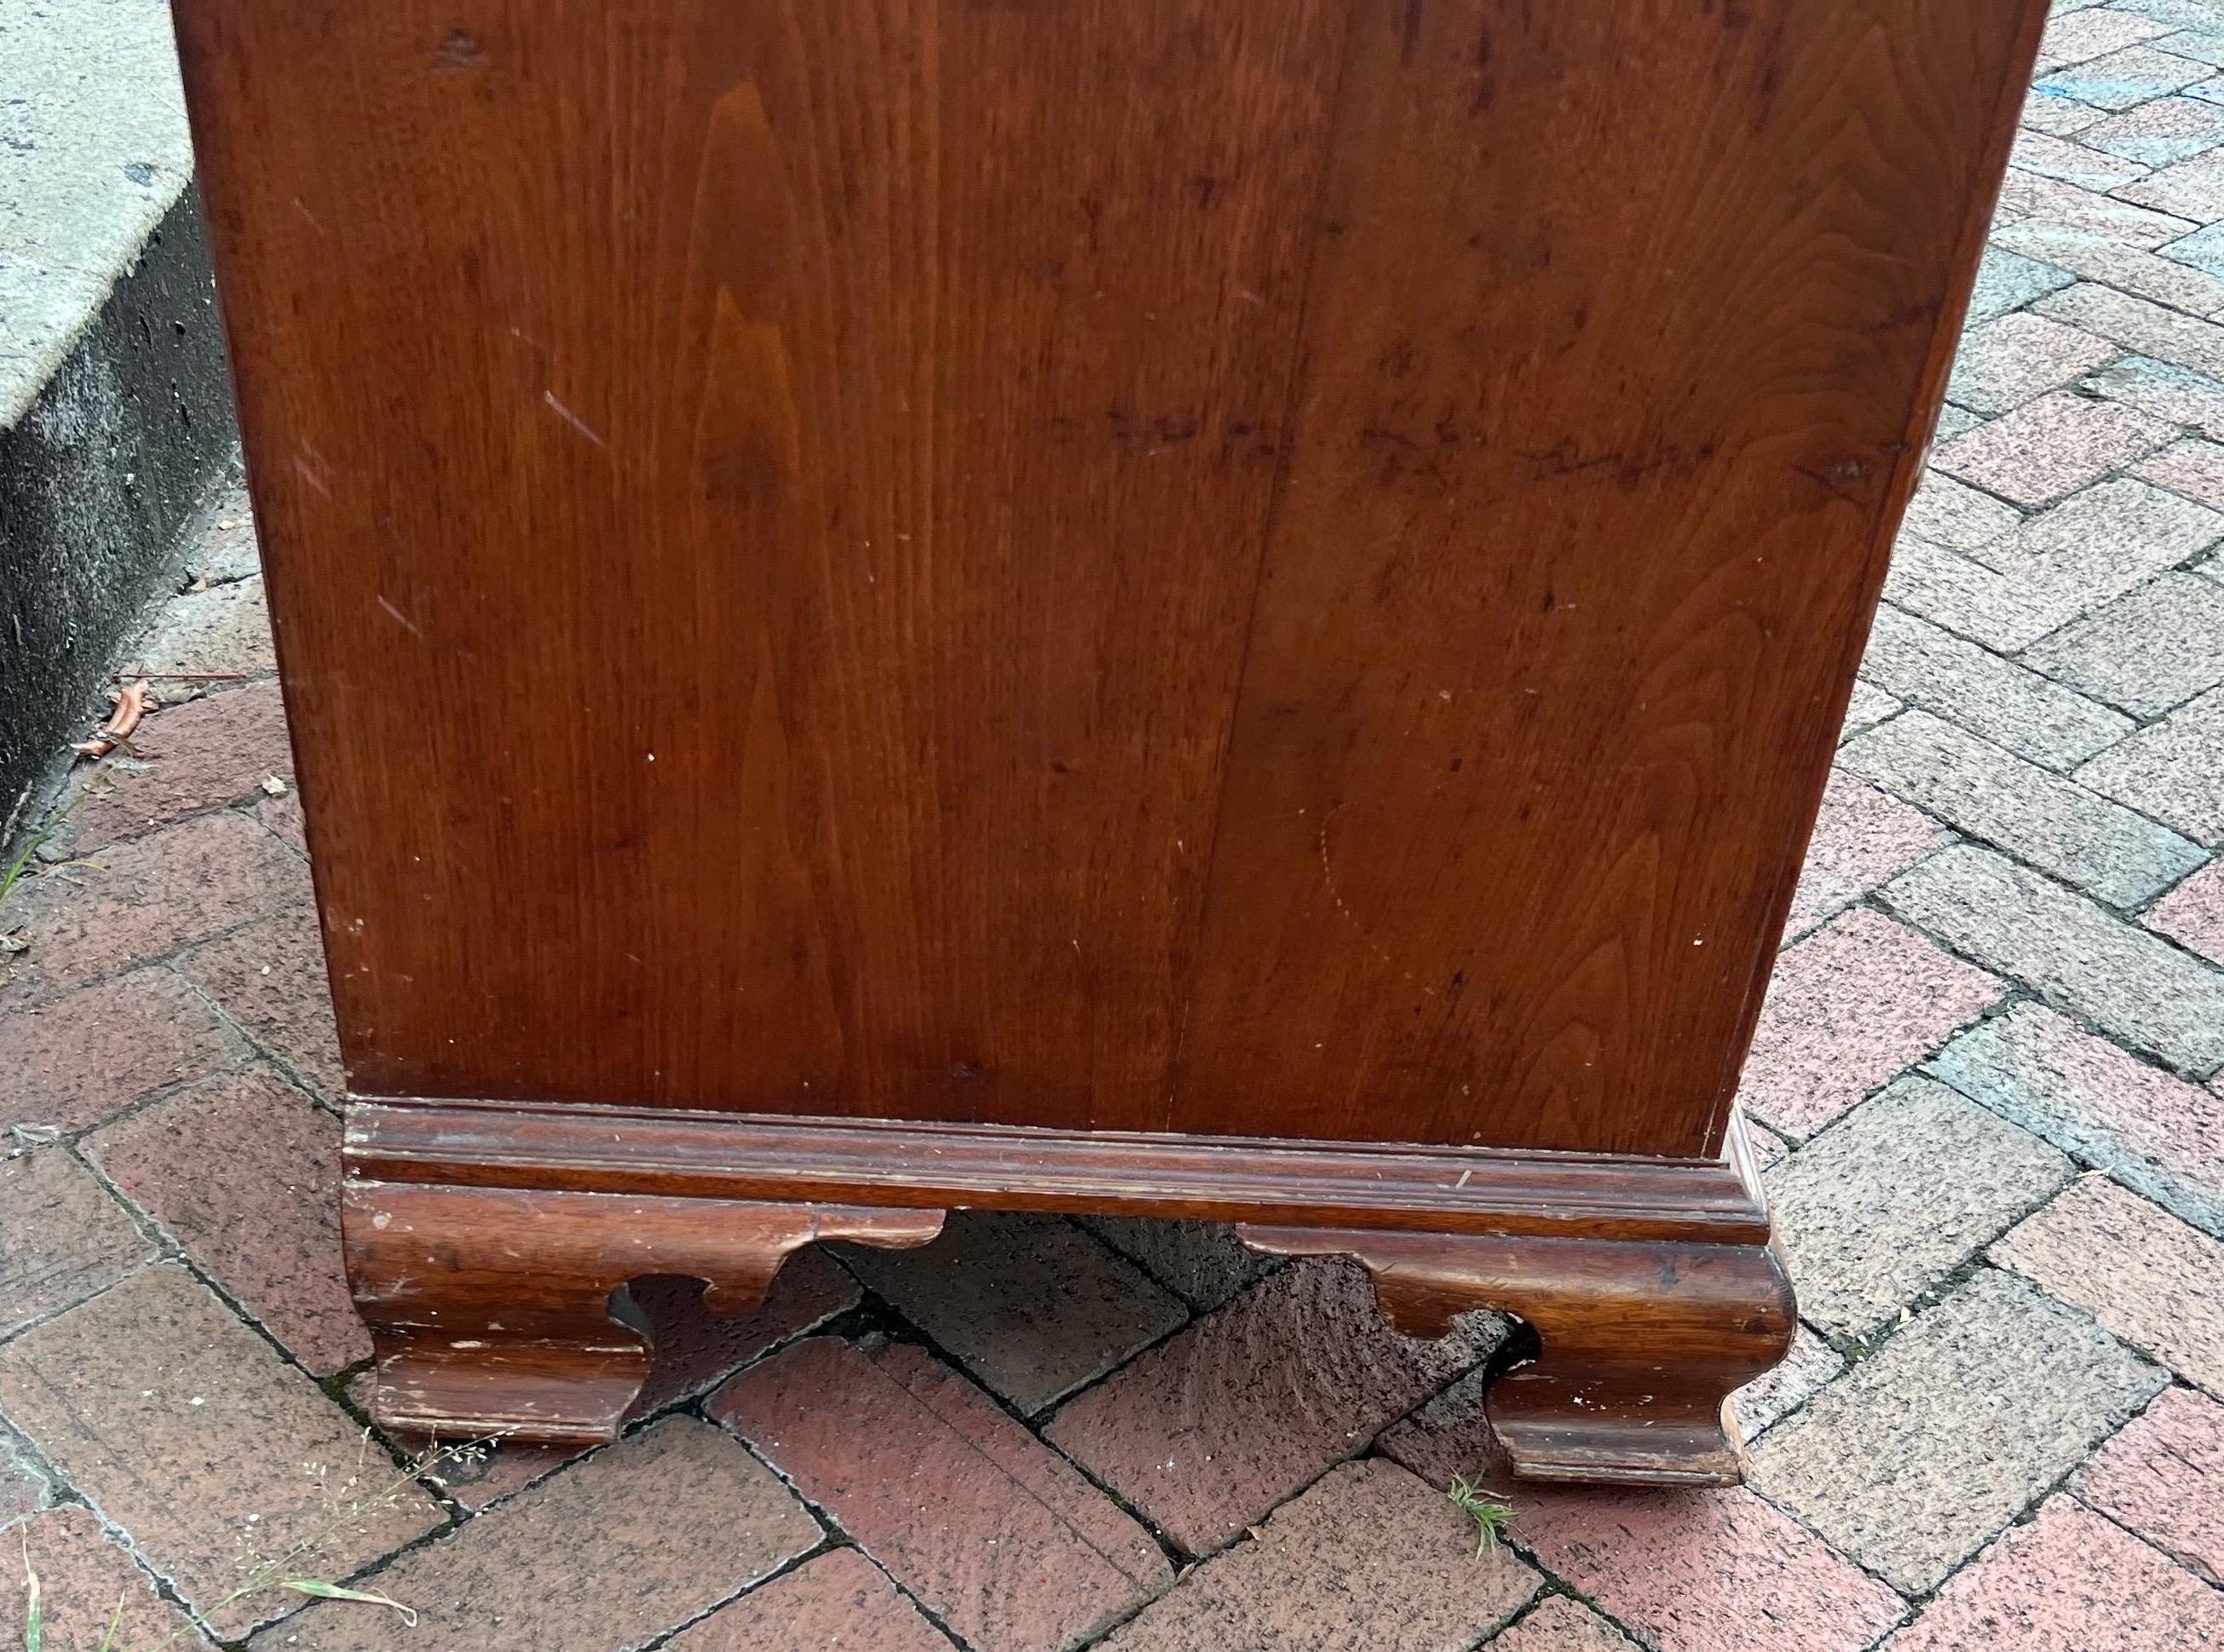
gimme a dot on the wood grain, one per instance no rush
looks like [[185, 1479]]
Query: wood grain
[[1280, 570]]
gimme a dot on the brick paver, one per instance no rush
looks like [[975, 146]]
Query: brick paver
[[87, 1582], [2005, 968]]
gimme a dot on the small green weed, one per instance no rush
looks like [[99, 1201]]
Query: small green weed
[[1491, 1516]]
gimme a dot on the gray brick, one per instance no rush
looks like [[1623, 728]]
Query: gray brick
[[1953, 513], [2165, 131], [2002, 611], [2148, 652], [2043, 111], [2124, 78], [2057, 824], [2151, 1130], [2192, 189], [2202, 249], [1203, 1263], [1869, 706], [2173, 770], [2104, 541], [2098, 257], [1911, 1461], [1763, 1404], [2080, 36], [2134, 985], [1903, 1190], [2008, 281], [1954, 421], [2073, 163], [2006, 362], [2198, 45], [2140, 325], [2008, 703], [2026, 196], [2176, 393], [2204, 14]]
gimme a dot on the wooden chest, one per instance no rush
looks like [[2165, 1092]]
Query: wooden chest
[[1191, 608]]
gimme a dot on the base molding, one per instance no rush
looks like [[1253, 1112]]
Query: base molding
[[485, 1242]]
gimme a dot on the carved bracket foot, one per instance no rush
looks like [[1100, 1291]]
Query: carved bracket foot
[[489, 1308], [1640, 1343]]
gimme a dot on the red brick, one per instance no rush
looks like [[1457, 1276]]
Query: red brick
[[1031, 1305], [1205, 1433], [1862, 838], [621, 1547], [2069, 1579], [1560, 1624], [2050, 447], [997, 1537], [186, 759], [2163, 1477], [840, 1601], [82, 1578], [244, 1170], [94, 1052], [2148, 1277], [1450, 1437], [1849, 1007], [1704, 1571], [2193, 913], [1369, 1557], [282, 815], [269, 976], [143, 899], [61, 1237], [695, 1348], [179, 1423]]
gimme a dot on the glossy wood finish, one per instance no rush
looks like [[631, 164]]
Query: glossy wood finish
[[485, 1243], [491, 1308], [1269, 569], [1640, 1345]]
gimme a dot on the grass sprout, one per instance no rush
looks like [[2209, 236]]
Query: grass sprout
[[1491, 1516]]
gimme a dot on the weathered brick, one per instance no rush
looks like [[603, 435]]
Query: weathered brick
[[282, 815], [1560, 1624], [2159, 133], [695, 1348], [2154, 1132], [2002, 611], [2138, 324], [269, 976], [2133, 983], [2163, 1478], [2191, 189], [997, 1537], [224, 548], [2193, 913], [244, 1170], [88, 1055], [23, 1489], [2203, 249], [1368, 1556], [2177, 393], [2006, 362], [2073, 163], [1868, 705], [1914, 1458], [184, 759], [89, 1589], [139, 899], [1205, 1433], [1879, 1207], [2148, 652], [2007, 281], [840, 1601], [2106, 540], [184, 1428], [1954, 421], [2151, 1280], [2193, 467], [1203, 1263], [2198, 42], [2027, 197], [2009, 704], [1698, 1572], [1849, 1006], [678, 1516], [2069, 1579], [2080, 36], [1031, 1305], [2172, 770], [1766, 1401], [1861, 838], [61, 1237], [2057, 824], [224, 628], [2050, 447], [1953, 513]]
